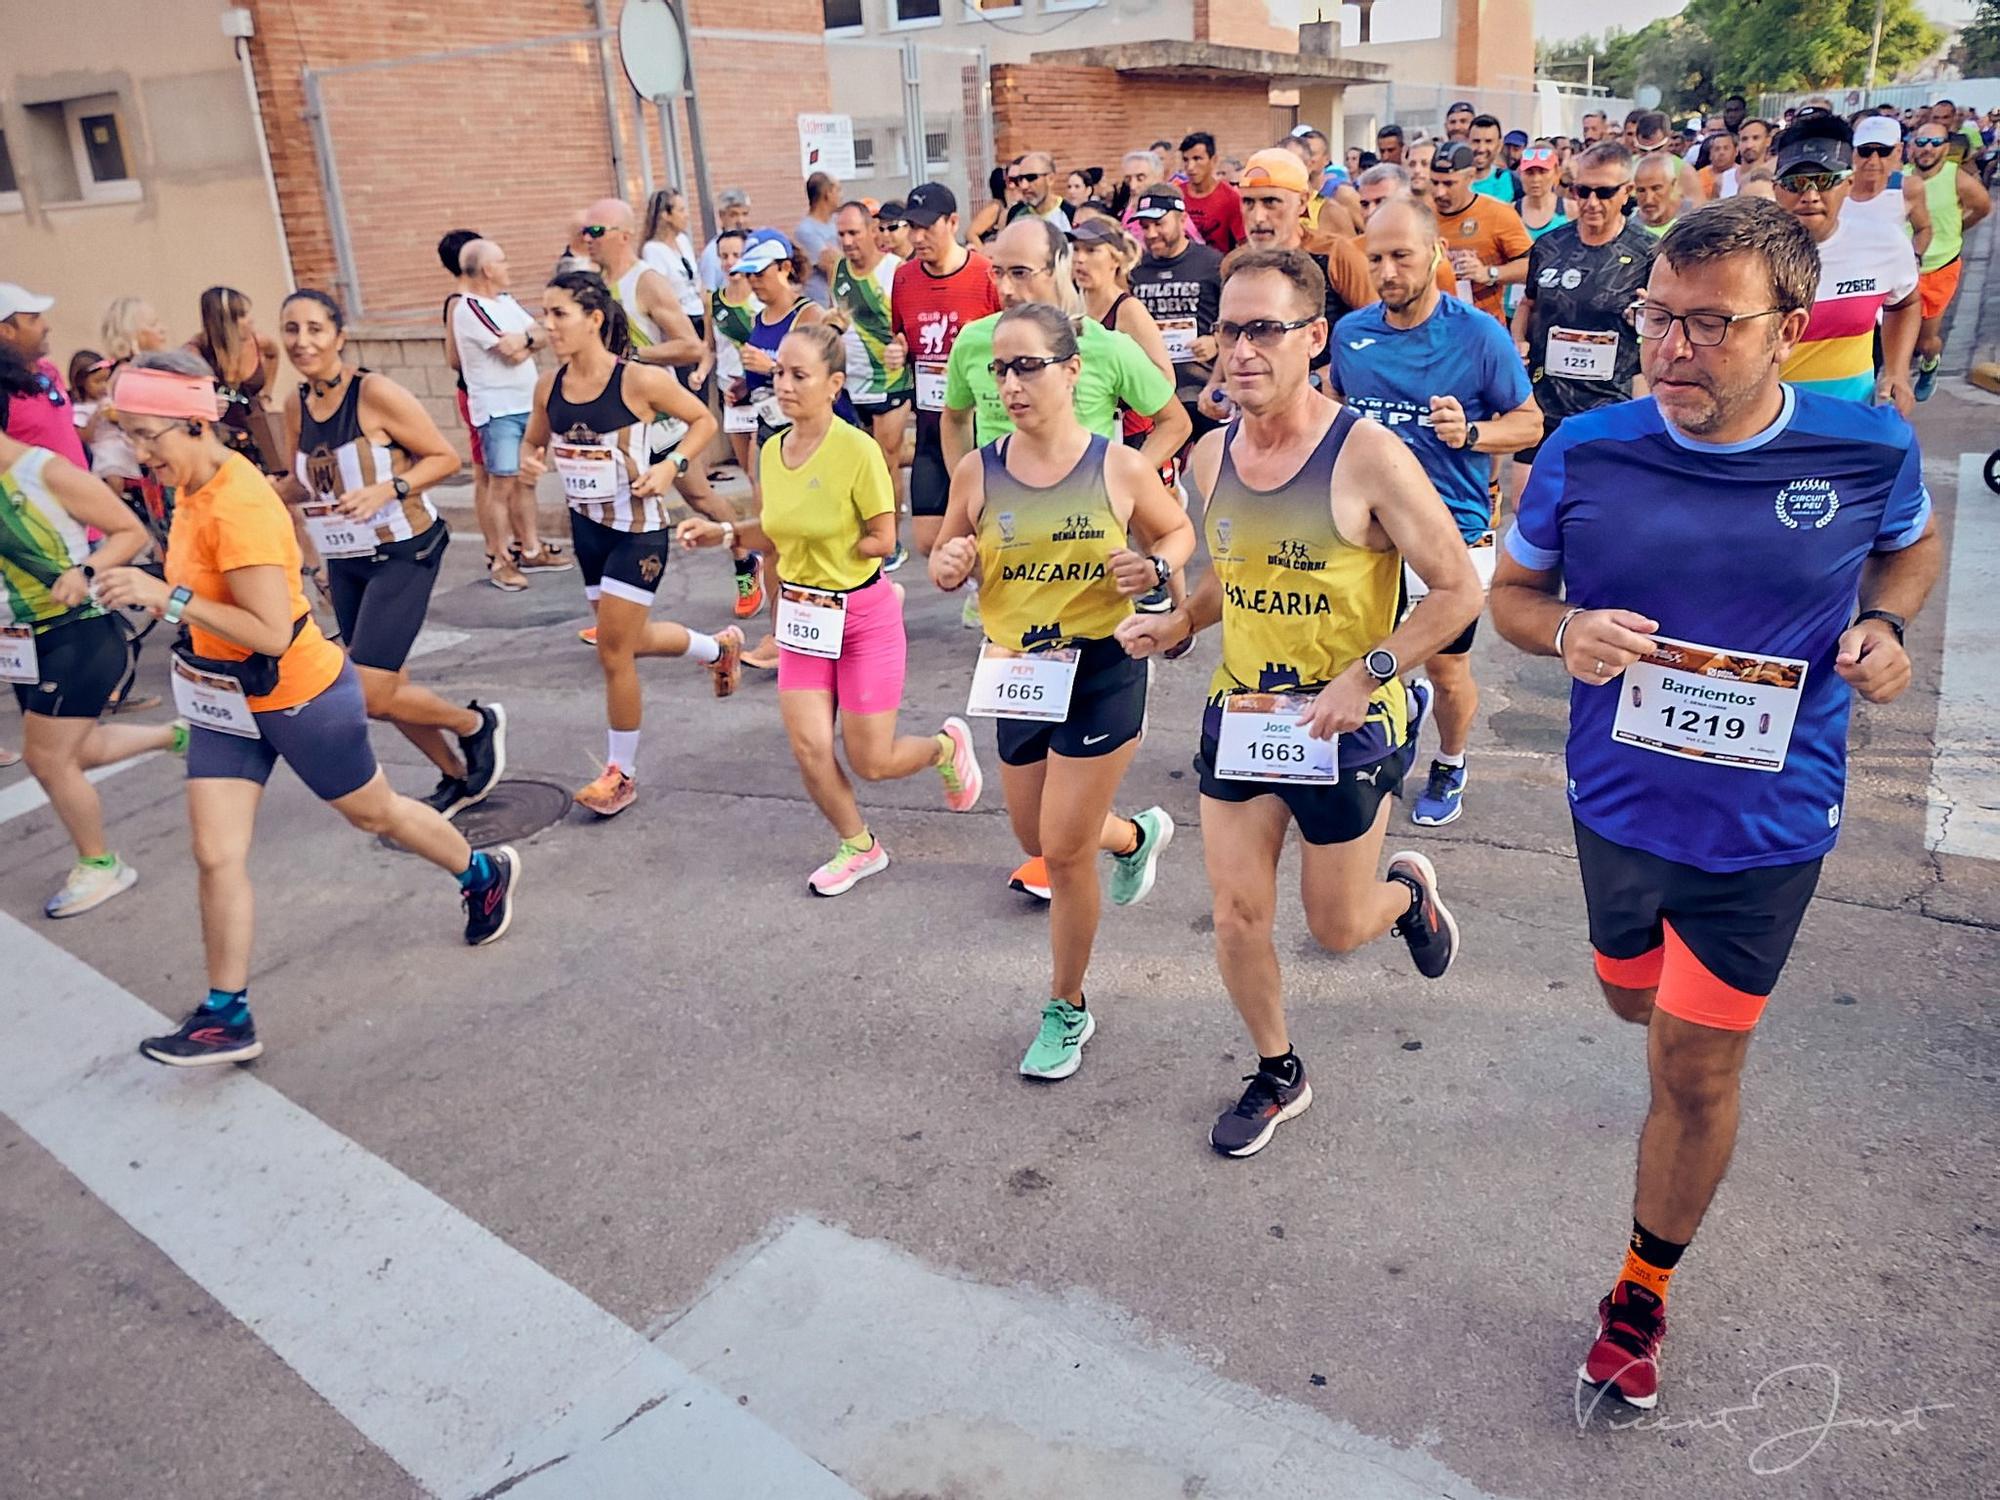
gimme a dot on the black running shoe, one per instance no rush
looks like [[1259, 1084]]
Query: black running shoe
[[1428, 927], [1265, 1105], [204, 1039], [1156, 601], [485, 752], [447, 797], [489, 908]]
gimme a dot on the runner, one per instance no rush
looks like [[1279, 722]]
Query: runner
[[1737, 511], [892, 230], [1866, 270], [1487, 242], [1957, 200], [364, 453], [733, 314], [878, 377], [62, 653], [1310, 513], [261, 684], [591, 424], [945, 287], [1212, 203], [1541, 206], [1880, 188], [1180, 284], [1447, 381], [829, 521], [1043, 514], [1102, 258], [495, 524]]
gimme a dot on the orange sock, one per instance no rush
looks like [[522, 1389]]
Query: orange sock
[[1650, 1261]]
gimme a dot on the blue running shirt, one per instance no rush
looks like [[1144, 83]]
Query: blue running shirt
[[1754, 546]]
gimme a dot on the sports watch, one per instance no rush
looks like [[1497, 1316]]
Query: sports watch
[[1894, 621], [176, 602], [1379, 664], [401, 486], [1163, 570], [1471, 438]]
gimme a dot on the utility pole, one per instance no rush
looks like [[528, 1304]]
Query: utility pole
[[1874, 47]]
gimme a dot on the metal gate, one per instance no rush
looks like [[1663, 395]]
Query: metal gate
[[920, 113]]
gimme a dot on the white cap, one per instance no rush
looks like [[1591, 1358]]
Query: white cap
[[18, 299], [1878, 130]]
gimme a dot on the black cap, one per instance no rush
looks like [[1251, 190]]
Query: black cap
[[1096, 231], [1453, 156], [1157, 203], [1815, 153], [1464, 104], [892, 212], [928, 202]]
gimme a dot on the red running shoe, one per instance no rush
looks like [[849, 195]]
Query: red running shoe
[[1626, 1357]]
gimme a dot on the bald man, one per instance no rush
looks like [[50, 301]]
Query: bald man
[[1034, 178], [1656, 186]]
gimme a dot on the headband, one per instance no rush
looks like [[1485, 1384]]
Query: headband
[[165, 393]]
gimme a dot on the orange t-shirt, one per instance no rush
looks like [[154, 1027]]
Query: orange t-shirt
[[236, 520], [1493, 232]]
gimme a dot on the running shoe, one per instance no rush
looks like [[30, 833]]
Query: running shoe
[[446, 798], [489, 908], [1032, 879], [749, 585], [960, 774], [610, 794], [728, 664], [1429, 930], [504, 576], [969, 615], [1926, 382], [897, 558], [1265, 1105], [90, 886], [1625, 1360], [850, 863], [551, 559], [178, 745], [206, 1037], [485, 751], [1440, 802], [1132, 874], [1057, 1050], [1157, 601], [588, 635], [9, 757]]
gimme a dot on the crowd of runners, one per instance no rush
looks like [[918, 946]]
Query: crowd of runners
[[1676, 361]]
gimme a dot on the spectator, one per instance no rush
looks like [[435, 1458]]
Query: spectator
[[1213, 205], [732, 211], [242, 359], [496, 340], [131, 328], [816, 238]]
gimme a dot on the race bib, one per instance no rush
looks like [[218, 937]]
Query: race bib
[[769, 412], [1579, 355], [212, 701], [739, 419], [811, 621], [589, 471], [334, 534], [1263, 738], [1728, 708], [1022, 684], [18, 659], [1464, 290], [930, 387], [1180, 335], [1485, 558]]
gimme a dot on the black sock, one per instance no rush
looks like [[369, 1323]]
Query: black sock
[[1285, 1069], [1416, 896], [1653, 1250], [1138, 838]]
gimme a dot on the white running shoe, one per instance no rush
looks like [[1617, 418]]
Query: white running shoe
[[90, 886]]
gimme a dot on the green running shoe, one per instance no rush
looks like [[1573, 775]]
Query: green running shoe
[[1057, 1049], [1132, 874]]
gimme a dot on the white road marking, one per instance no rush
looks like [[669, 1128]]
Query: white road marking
[[1964, 813], [436, 638], [26, 795], [465, 1362]]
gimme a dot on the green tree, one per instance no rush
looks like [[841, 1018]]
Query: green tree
[[1978, 51], [1802, 44]]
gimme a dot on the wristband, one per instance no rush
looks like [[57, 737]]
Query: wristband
[[1562, 625], [728, 533]]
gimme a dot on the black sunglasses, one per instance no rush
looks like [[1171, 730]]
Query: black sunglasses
[[1874, 150], [47, 387], [1027, 177], [1585, 190], [1263, 333], [1024, 365], [595, 231]]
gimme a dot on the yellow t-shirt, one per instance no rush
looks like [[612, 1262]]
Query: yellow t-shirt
[[815, 514]]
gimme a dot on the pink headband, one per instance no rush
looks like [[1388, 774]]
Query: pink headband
[[163, 393]]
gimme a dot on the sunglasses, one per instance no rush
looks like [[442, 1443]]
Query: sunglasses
[[1022, 365], [595, 231], [1929, 140], [1263, 333], [1584, 190], [892, 224], [1027, 177], [1811, 182], [1874, 151], [47, 387]]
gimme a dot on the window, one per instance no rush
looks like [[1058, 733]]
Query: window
[[917, 12], [864, 156], [937, 150], [974, 9], [1070, 4], [842, 15], [10, 186], [97, 145]]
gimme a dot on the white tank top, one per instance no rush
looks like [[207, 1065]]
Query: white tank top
[[1887, 206]]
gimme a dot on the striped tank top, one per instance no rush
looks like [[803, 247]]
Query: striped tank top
[[1301, 603], [599, 447], [335, 456], [39, 542], [1043, 553]]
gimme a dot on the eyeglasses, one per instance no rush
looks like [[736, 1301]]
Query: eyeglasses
[[1704, 330], [1874, 151], [142, 438], [1929, 140], [595, 231], [1263, 333], [1584, 190], [1811, 182], [1023, 365], [1020, 273]]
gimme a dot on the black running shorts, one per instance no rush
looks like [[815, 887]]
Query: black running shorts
[[1107, 709], [81, 664], [930, 478], [1336, 814], [381, 601], [626, 565]]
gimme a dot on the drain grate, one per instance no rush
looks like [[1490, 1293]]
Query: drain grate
[[513, 810]]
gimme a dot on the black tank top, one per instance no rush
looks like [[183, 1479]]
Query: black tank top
[[602, 415]]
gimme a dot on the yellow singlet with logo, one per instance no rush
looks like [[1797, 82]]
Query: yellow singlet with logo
[[1301, 603], [1042, 551]]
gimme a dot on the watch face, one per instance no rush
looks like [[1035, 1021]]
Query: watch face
[[1380, 665]]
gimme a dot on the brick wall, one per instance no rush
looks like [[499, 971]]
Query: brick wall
[[1093, 116], [1243, 23]]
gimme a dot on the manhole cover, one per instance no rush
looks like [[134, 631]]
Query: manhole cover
[[513, 810]]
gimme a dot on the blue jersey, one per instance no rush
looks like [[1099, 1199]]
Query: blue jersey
[[1749, 547], [1391, 374]]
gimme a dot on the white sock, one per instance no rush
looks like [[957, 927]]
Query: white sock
[[702, 647], [1450, 760], [623, 749]]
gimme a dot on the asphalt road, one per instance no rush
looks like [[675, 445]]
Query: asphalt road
[[690, 1131]]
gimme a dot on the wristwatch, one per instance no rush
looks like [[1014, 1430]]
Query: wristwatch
[[176, 602], [1492, 274], [1162, 570], [1894, 621], [401, 486], [1471, 438], [679, 460], [1379, 664]]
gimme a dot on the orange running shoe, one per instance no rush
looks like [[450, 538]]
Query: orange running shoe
[[749, 585], [728, 665], [610, 794], [1032, 879], [588, 635]]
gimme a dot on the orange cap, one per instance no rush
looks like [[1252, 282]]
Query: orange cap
[[1275, 167]]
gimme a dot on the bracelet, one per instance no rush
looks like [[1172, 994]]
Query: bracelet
[[729, 533], [1562, 625]]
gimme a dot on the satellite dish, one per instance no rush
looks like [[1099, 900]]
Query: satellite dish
[[1647, 95], [653, 49]]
